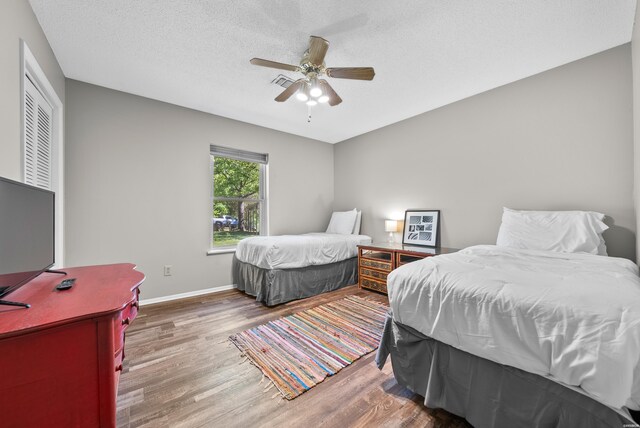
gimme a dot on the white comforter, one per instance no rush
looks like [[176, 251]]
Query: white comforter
[[574, 318], [296, 251]]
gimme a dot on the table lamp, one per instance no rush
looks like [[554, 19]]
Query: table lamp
[[391, 226]]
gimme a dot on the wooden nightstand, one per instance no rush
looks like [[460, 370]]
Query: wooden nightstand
[[375, 261]]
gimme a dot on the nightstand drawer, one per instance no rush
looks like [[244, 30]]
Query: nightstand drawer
[[403, 259], [372, 284], [373, 273], [386, 266]]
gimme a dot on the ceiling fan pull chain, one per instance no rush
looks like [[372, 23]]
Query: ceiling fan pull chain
[[308, 114]]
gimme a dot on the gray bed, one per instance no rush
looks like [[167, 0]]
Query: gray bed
[[485, 393], [276, 286]]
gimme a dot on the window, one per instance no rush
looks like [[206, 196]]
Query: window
[[239, 196]]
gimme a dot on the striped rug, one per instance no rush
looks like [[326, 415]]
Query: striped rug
[[299, 351]]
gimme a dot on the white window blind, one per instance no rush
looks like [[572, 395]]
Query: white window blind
[[38, 114], [237, 154]]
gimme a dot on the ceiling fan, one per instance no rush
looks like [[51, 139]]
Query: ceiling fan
[[311, 89]]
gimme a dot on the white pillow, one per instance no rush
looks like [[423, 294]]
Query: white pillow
[[602, 248], [342, 222], [356, 227], [561, 231]]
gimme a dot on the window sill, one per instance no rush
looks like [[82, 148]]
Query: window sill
[[227, 250]]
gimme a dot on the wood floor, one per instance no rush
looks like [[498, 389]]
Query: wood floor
[[181, 371]]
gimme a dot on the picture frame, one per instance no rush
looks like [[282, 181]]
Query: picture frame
[[421, 227]]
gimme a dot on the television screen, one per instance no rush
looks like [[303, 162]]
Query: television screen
[[26, 233]]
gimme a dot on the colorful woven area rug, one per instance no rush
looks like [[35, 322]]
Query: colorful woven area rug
[[299, 351]]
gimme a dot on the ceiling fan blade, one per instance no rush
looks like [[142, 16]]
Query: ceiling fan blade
[[273, 64], [334, 98], [357, 73], [317, 50], [284, 95]]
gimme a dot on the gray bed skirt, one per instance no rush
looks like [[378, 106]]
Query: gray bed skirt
[[275, 286], [485, 393]]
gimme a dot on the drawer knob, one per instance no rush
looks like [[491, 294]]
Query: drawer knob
[[126, 321], [119, 368]]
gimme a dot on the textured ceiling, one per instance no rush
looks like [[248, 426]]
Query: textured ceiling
[[426, 53]]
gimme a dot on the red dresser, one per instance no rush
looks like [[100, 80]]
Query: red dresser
[[60, 360]]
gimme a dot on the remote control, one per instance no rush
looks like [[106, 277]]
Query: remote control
[[66, 284]]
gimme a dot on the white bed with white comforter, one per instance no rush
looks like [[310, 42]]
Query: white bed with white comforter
[[571, 317], [278, 269]]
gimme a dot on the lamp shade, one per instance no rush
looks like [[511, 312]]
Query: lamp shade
[[391, 225]]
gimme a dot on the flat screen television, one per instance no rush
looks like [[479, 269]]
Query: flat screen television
[[27, 234]]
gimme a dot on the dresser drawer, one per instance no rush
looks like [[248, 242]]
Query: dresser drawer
[[386, 266], [129, 313], [118, 339], [373, 273], [117, 367], [124, 318], [372, 284], [376, 258]]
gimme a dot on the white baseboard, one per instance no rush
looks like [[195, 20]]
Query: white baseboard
[[144, 302]]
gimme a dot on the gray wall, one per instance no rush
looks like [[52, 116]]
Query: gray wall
[[17, 21], [635, 55], [559, 140], [138, 185]]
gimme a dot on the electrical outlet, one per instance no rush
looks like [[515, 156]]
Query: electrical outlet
[[167, 270]]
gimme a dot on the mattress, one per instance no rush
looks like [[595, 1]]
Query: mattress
[[298, 251], [573, 318]]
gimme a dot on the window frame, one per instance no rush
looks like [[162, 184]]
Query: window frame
[[262, 159]]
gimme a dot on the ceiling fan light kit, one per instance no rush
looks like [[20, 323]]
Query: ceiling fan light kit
[[310, 89], [303, 94], [315, 90]]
